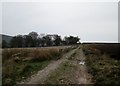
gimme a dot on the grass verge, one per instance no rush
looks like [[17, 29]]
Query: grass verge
[[16, 72]]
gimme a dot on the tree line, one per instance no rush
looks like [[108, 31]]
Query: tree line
[[33, 39]]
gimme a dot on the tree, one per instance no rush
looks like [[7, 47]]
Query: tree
[[4, 44], [34, 35], [17, 41], [57, 40], [35, 40], [28, 41], [71, 40], [39, 42], [46, 41]]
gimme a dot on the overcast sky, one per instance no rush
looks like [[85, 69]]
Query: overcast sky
[[91, 21]]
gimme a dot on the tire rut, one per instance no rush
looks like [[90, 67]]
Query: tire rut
[[83, 76]]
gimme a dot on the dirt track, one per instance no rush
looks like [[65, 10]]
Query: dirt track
[[81, 73], [83, 76], [42, 74]]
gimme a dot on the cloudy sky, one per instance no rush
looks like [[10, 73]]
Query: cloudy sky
[[91, 21]]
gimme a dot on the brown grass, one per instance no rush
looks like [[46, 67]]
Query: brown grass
[[20, 63], [30, 54], [105, 70], [112, 49]]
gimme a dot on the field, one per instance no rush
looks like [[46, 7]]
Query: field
[[19, 63], [112, 49], [103, 63], [62, 65]]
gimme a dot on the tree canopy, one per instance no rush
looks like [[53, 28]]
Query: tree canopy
[[33, 39]]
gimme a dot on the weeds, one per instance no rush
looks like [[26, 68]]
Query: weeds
[[18, 64], [16, 72], [105, 70]]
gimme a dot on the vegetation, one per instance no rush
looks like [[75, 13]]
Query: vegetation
[[15, 72], [112, 49], [105, 70], [5, 37], [63, 74], [20, 63], [33, 39], [71, 40], [4, 44]]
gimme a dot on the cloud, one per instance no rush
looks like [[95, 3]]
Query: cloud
[[91, 21]]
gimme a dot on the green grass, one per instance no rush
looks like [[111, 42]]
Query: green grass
[[105, 70], [17, 72], [26, 69]]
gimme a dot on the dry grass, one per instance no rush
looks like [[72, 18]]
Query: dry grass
[[105, 70], [20, 63], [30, 54], [112, 49]]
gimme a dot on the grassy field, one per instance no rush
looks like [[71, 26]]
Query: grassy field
[[103, 62], [20, 63]]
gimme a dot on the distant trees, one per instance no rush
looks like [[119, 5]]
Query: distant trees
[[34, 35], [33, 39], [4, 44], [17, 41], [58, 40], [28, 41], [72, 40]]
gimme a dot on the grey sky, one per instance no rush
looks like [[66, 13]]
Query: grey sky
[[91, 21]]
